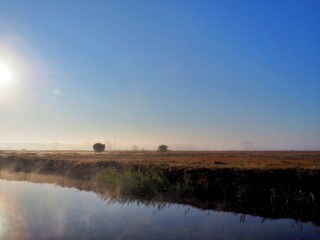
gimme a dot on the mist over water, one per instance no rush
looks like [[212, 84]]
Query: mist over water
[[46, 211]]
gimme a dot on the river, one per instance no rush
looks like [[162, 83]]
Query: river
[[48, 211]]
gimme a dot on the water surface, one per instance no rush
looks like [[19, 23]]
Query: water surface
[[46, 211]]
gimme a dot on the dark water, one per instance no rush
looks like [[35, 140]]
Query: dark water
[[45, 211]]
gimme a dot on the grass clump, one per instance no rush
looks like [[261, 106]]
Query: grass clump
[[152, 181], [134, 182]]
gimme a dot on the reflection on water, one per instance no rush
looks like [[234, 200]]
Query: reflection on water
[[45, 211]]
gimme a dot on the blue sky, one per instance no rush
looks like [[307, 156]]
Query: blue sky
[[192, 74]]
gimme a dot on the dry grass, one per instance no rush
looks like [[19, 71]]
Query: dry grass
[[186, 159]]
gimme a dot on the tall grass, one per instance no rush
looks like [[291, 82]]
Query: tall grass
[[150, 182]]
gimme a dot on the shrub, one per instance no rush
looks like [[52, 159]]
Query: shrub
[[163, 148], [99, 147]]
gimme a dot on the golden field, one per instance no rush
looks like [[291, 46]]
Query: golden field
[[184, 159]]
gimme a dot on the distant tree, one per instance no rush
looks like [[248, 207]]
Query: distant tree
[[163, 148], [99, 147]]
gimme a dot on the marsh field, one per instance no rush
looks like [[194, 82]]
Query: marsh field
[[263, 160]]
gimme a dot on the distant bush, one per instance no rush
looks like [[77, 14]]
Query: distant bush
[[163, 148], [99, 147]]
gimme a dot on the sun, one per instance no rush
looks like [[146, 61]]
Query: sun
[[5, 74]]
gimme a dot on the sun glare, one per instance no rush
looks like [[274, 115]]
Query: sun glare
[[5, 74]]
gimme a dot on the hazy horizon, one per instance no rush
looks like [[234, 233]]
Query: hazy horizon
[[206, 75], [117, 146]]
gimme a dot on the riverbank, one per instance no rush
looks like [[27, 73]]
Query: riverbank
[[169, 169], [189, 173]]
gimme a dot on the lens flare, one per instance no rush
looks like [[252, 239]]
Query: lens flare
[[5, 74]]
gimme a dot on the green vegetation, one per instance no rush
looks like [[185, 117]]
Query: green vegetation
[[152, 181], [133, 182]]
